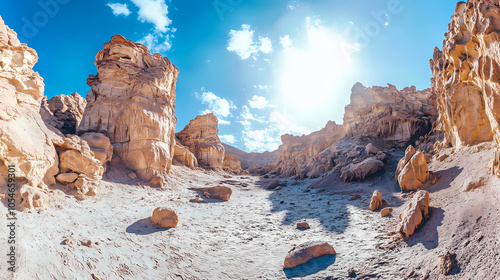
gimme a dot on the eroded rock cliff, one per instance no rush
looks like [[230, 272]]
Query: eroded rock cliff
[[64, 112], [25, 141], [394, 117], [132, 102]]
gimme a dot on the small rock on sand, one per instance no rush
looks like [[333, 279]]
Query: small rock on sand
[[303, 225], [447, 262], [385, 212]]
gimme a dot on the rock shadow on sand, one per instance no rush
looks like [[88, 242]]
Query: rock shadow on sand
[[144, 227], [311, 267]]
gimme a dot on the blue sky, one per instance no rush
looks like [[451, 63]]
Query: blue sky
[[264, 67]]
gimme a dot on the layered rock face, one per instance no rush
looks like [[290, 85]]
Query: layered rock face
[[64, 112], [394, 117], [25, 141], [132, 102], [466, 76], [308, 156], [183, 155]]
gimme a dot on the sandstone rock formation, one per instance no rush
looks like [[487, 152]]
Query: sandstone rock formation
[[132, 102], [63, 112], [165, 217], [252, 160], [307, 251], [201, 137], [25, 141], [361, 170], [308, 156], [184, 155], [414, 213], [412, 171], [386, 212], [100, 146], [376, 201], [466, 77], [394, 117]]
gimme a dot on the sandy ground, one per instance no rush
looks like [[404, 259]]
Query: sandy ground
[[249, 236]]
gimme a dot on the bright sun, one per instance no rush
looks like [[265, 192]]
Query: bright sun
[[311, 72]]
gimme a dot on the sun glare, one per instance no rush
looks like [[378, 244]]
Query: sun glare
[[311, 73]]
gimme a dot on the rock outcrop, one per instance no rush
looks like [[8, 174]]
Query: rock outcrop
[[414, 213], [25, 140], [201, 137], [132, 102], [394, 117], [308, 156], [218, 192], [64, 112], [412, 171], [466, 77], [307, 251]]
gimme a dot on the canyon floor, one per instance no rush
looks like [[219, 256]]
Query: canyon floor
[[249, 236]]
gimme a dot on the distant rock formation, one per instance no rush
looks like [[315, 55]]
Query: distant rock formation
[[201, 137], [394, 117], [25, 141], [132, 102], [306, 156], [466, 77], [252, 160], [64, 112]]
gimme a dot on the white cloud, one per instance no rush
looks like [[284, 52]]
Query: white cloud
[[265, 45], [292, 5], [228, 139], [247, 124], [245, 114], [285, 124], [241, 42], [119, 9], [260, 140], [286, 42], [155, 12], [219, 106], [258, 102], [157, 42], [224, 122]]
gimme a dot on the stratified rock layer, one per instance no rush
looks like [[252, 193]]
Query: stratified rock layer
[[394, 117], [25, 141], [132, 102]]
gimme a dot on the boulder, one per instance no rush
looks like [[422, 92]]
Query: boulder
[[307, 251], [361, 170], [414, 213], [376, 201], [100, 145], [165, 217], [446, 263], [414, 171], [217, 192], [76, 156], [131, 101], [371, 149], [385, 212]]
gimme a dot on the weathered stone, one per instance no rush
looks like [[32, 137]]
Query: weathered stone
[[217, 192], [64, 112], [361, 170], [376, 201], [66, 178], [132, 102], [412, 171], [185, 156], [386, 212]]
